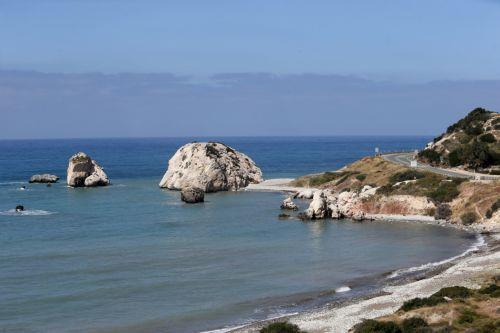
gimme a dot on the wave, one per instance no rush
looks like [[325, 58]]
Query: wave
[[480, 241], [12, 183], [342, 289], [28, 212], [231, 328]]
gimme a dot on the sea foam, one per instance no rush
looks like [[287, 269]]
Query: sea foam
[[28, 212]]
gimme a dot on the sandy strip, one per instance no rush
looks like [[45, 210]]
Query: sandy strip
[[471, 271], [276, 185]]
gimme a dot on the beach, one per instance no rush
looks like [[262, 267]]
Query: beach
[[472, 270]]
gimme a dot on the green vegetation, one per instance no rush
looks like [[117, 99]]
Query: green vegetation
[[443, 212], [493, 209], [446, 191], [410, 174], [471, 122], [373, 326], [361, 177], [492, 290], [467, 316], [430, 156], [281, 328], [468, 218], [414, 325], [323, 178], [437, 298], [488, 138]]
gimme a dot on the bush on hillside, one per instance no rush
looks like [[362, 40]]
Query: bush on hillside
[[361, 177], [477, 155], [487, 138], [406, 175], [431, 156], [281, 328], [414, 325], [443, 212], [454, 292], [470, 122], [373, 326], [468, 218], [445, 192], [493, 209]]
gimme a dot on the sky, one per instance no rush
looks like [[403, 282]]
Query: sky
[[245, 67]]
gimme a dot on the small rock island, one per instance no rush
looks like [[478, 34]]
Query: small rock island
[[211, 167], [44, 178], [83, 171]]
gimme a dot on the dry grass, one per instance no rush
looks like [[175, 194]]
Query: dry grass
[[475, 197], [376, 171]]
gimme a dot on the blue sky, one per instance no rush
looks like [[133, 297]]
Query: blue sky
[[199, 68], [380, 39]]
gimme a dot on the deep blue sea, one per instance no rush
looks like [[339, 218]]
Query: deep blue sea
[[132, 258]]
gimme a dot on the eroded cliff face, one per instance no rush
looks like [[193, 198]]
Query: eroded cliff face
[[210, 166]]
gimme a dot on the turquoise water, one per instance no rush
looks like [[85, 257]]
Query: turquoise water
[[133, 258]]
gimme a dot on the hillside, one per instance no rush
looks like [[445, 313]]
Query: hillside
[[470, 143]]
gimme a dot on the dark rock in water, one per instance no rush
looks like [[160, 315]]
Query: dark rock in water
[[284, 216], [19, 208], [192, 195], [49, 185], [44, 178]]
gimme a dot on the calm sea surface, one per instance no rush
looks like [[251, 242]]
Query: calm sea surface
[[132, 258]]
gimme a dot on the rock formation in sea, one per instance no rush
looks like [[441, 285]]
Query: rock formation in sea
[[83, 171], [44, 178], [289, 204], [210, 166], [192, 195]]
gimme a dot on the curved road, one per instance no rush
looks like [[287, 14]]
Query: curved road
[[406, 158]]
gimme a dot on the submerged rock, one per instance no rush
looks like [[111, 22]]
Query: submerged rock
[[44, 178], [19, 208], [210, 166], [85, 172], [192, 195], [289, 204]]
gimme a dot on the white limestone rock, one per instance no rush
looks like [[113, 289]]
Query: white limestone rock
[[44, 178], [210, 166], [85, 172], [305, 194], [289, 204]]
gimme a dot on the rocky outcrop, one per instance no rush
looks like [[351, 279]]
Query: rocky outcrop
[[192, 195], [210, 166], [326, 203], [44, 178], [289, 204], [83, 171]]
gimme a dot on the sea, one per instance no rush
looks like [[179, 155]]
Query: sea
[[131, 257]]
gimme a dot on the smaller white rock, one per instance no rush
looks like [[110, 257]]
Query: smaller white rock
[[289, 204], [306, 194]]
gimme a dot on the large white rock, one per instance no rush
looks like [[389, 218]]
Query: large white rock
[[211, 166], [318, 208], [84, 171]]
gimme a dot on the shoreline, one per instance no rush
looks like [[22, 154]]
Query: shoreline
[[469, 269]]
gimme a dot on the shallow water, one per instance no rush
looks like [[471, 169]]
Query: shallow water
[[133, 258]]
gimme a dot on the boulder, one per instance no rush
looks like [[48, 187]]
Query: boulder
[[192, 195], [318, 208], [83, 171], [305, 194], [44, 178], [210, 166], [19, 208], [289, 204]]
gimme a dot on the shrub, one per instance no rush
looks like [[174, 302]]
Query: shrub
[[488, 138], [468, 218], [493, 209], [373, 326], [493, 290], [416, 303], [361, 177], [477, 155], [469, 122], [281, 328], [406, 175], [341, 180], [413, 325], [323, 178], [454, 292], [430, 155], [467, 317], [445, 192], [455, 157], [443, 212], [385, 190]]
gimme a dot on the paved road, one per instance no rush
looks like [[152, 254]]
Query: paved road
[[405, 158]]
